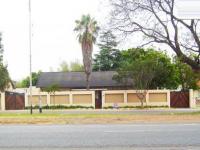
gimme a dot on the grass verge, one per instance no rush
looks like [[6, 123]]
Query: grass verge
[[8, 118]]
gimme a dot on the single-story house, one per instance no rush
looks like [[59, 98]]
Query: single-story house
[[105, 90], [73, 81]]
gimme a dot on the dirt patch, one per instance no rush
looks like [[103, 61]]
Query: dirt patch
[[127, 119]]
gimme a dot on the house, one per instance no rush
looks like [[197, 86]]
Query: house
[[71, 91], [105, 91], [76, 81]]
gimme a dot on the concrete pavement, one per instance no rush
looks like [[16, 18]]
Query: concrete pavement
[[115, 137]]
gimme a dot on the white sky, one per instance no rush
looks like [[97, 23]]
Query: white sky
[[53, 38]]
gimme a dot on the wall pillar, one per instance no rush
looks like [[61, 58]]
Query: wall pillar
[[93, 99], [168, 98], [125, 97], [147, 98], [192, 101], [103, 98], [70, 98], [26, 99], [48, 99], [3, 108]]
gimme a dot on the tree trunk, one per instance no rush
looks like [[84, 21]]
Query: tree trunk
[[87, 60], [142, 104], [87, 81]]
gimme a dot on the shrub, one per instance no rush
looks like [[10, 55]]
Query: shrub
[[61, 107], [136, 107]]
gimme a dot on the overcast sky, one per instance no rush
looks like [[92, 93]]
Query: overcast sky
[[53, 38]]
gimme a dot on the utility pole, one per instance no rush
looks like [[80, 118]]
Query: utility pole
[[30, 48]]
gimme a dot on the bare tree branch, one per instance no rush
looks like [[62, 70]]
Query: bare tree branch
[[155, 19]]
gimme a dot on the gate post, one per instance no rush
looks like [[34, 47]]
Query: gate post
[[192, 101], [26, 99], [3, 101], [168, 98]]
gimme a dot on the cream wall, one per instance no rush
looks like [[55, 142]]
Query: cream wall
[[195, 98], [198, 83], [59, 99], [84, 98], [109, 98], [2, 101], [130, 98]]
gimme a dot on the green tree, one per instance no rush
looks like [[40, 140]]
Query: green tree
[[63, 67], [108, 57], [166, 74], [107, 60], [107, 40], [141, 71], [87, 30], [4, 77], [1, 49], [4, 74], [187, 77], [76, 66], [25, 83]]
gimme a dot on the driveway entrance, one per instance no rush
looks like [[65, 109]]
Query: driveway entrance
[[14, 101]]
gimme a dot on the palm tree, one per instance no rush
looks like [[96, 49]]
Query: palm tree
[[87, 31]]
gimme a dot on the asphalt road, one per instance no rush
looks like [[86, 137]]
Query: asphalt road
[[111, 137]]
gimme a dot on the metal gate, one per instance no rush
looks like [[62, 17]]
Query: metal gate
[[14, 101], [179, 99]]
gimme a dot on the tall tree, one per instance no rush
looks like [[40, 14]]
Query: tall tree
[[141, 71], [87, 31], [25, 83], [166, 75], [4, 75], [108, 57], [187, 78], [76, 66], [1, 49], [156, 20], [107, 40], [63, 67]]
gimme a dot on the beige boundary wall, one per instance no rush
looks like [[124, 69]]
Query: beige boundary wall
[[129, 98], [194, 98], [68, 98], [109, 98], [2, 101]]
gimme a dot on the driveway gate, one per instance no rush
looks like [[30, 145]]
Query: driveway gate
[[179, 99], [14, 101]]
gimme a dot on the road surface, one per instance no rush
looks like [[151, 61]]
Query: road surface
[[100, 137]]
